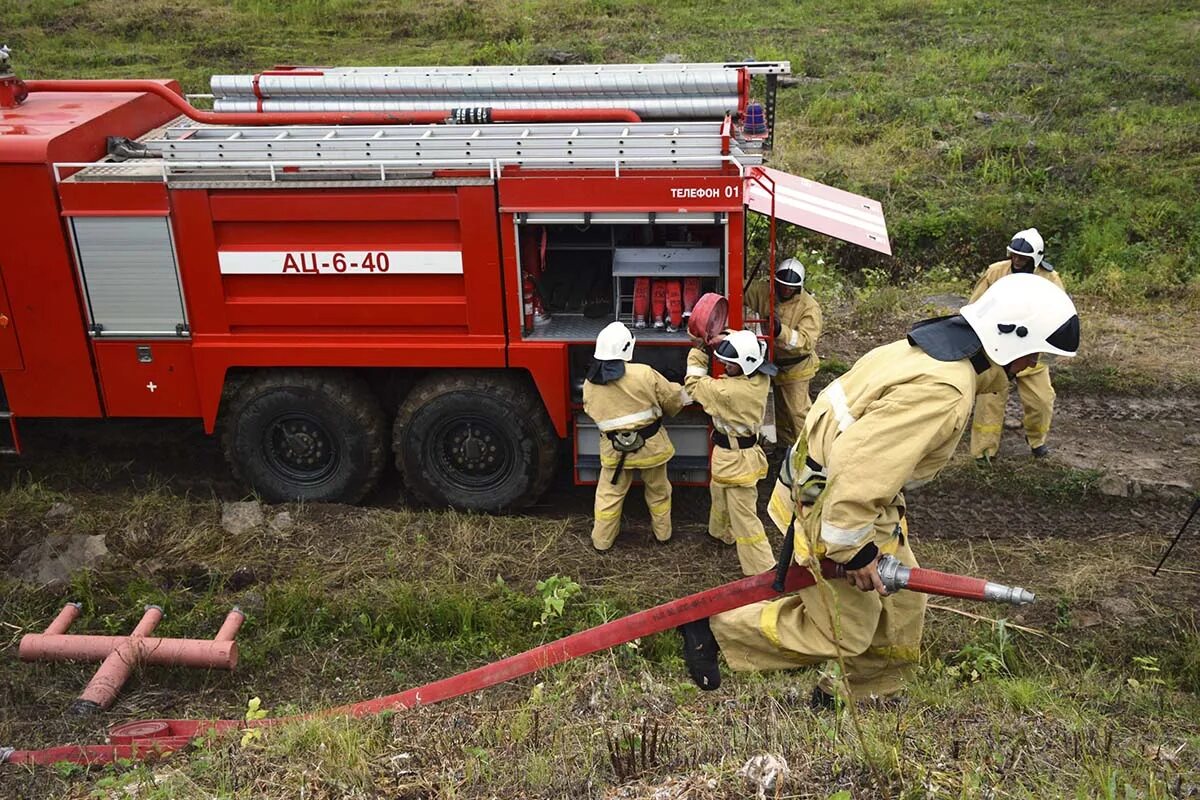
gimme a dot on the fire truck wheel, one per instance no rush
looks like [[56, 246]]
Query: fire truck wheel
[[301, 435], [475, 441]]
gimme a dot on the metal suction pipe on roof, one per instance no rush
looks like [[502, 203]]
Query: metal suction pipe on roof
[[332, 118]]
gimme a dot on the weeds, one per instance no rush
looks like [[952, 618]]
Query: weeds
[[317, 639], [969, 121]]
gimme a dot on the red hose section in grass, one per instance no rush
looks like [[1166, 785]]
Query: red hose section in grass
[[329, 117], [643, 623], [175, 734], [946, 584]]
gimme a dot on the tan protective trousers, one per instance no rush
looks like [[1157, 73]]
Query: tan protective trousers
[[1037, 398], [878, 638], [733, 518], [610, 497], [792, 403]]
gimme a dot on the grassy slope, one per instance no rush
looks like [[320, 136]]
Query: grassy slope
[[353, 603], [970, 119]]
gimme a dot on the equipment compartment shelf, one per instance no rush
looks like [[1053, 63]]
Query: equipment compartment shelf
[[666, 262], [578, 328]]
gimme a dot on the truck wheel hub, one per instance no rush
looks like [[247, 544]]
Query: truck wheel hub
[[474, 455], [299, 448]]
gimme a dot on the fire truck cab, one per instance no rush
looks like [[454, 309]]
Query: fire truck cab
[[332, 281]]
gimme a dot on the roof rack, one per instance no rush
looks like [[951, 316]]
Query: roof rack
[[360, 172], [184, 150], [663, 141]]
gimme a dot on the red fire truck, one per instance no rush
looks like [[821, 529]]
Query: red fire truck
[[335, 268]]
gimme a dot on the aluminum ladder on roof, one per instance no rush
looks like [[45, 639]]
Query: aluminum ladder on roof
[[646, 144]]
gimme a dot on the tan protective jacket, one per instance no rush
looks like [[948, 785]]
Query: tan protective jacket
[[892, 422], [736, 406], [634, 401], [1001, 268], [997, 271], [800, 326]]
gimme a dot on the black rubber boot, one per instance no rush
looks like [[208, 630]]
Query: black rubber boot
[[700, 654], [1041, 451]]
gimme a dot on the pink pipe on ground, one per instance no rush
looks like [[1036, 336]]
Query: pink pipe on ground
[[330, 117], [54, 645], [69, 614], [120, 654], [199, 653], [230, 627], [102, 690]]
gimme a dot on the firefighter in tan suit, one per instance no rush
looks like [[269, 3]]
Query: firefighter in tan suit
[[1033, 385], [736, 403], [627, 401], [797, 328], [891, 422]]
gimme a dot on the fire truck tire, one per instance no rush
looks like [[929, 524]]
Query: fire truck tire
[[475, 441], [306, 435]]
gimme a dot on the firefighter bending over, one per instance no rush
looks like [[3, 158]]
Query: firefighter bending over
[[627, 402], [890, 423], [736, 402], [797, 328], [1033, 384]]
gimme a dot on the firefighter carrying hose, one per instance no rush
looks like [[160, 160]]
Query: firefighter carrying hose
[[627, 401], [736, 402], [890, 423], [1033, 384], [797, 328]]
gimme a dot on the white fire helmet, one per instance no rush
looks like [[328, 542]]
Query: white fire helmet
[[790, 273], [1028, 243], [1021, 314], [614, 342], [742, 348]]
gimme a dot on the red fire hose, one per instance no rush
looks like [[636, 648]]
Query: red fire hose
[[333, 117], [149, 738]]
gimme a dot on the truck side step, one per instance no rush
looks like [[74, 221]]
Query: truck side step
[[12, 448]]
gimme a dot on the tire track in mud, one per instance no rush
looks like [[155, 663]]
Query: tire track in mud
[[1144, 439], [967, 514], [1109, 407]]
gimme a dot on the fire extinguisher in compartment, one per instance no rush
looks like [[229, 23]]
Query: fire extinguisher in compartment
[[691, 293], [658, 300], [641, 301], [529, 299], [674, 305]]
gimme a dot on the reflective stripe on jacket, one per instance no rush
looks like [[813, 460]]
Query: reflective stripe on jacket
[[736, 406], [892, 421], [633, 401], [800, 326]]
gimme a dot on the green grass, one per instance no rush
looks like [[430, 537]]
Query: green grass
[[1035, 481], [969, 119], [1061, 699]]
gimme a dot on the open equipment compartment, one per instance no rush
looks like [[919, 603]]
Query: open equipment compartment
[[586, 271], [587, 268]]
